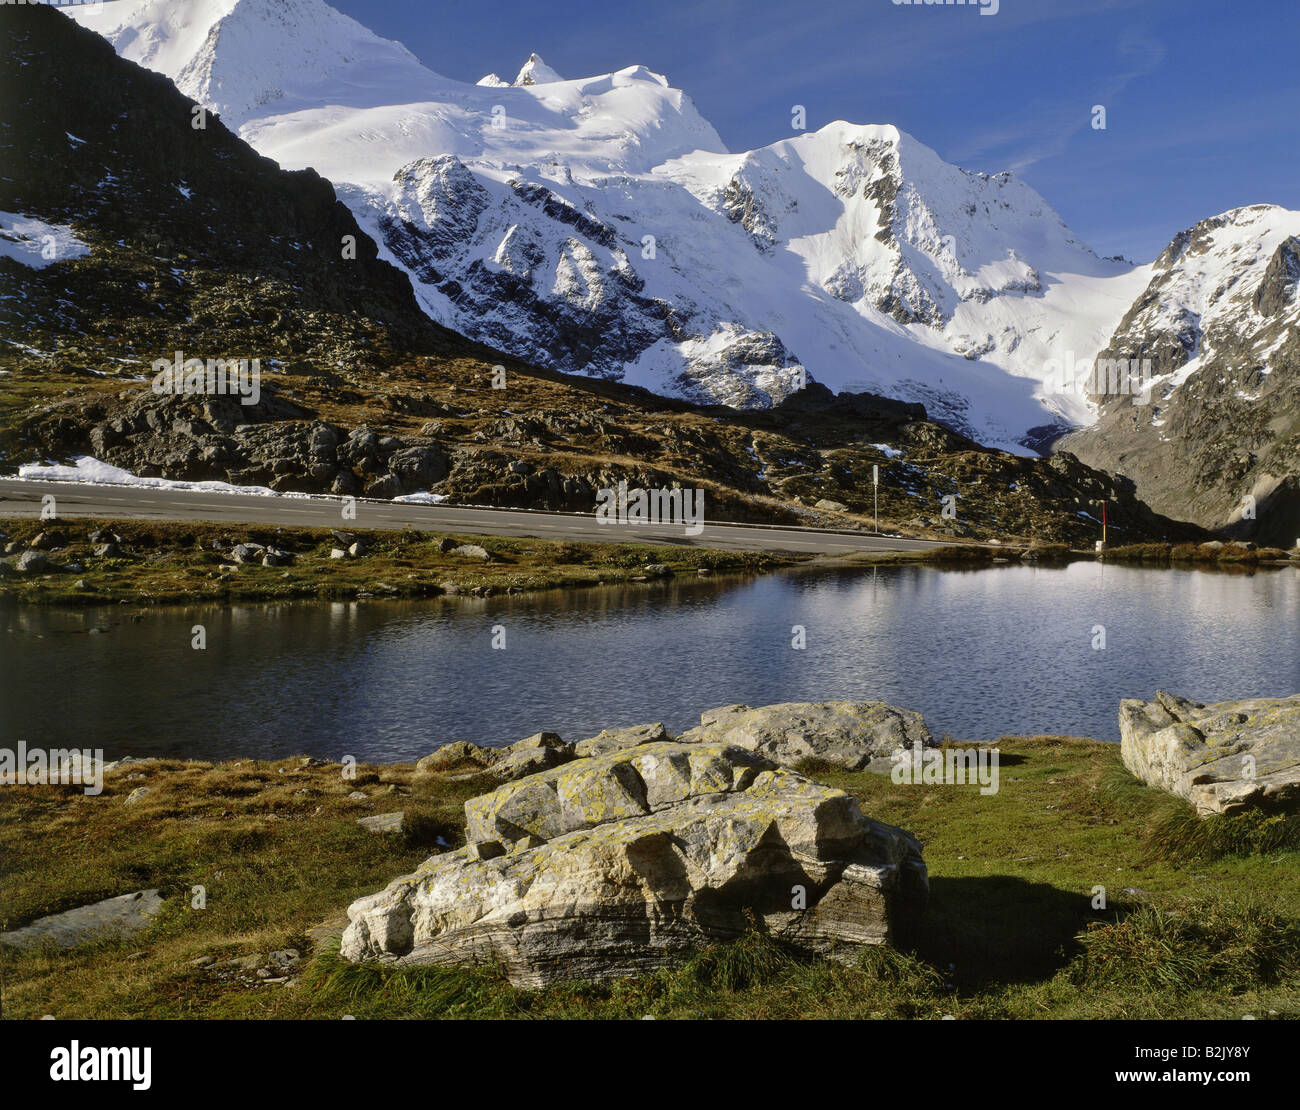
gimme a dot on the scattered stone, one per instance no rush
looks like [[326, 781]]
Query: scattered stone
[[357, 550], [33, 562], [532, 754], [338, 553], [455, 754], [1222, 758], [383, 822], [357, 796], [284, 959], [472, 551], [120, 916], [139, 794], [829, 506]]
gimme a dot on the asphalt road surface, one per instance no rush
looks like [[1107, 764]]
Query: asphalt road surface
[[72, 499]]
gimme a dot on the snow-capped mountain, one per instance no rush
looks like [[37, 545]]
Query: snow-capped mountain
[[600, 225], [1218, 439]]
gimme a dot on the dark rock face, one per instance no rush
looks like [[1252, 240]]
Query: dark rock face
[[185, 223], [594, 318]]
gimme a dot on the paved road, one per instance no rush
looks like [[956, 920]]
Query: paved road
[[19, 498]]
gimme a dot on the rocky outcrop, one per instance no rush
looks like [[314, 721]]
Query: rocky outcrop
[[620, 863], [1223, 758], [855, 735], [1217, 439]]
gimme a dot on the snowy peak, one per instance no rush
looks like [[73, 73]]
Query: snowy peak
[[599, 225], [247, 57], [1226, 284], [900, 229], [536, 72]]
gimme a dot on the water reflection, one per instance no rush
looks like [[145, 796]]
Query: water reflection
[[981, 653]]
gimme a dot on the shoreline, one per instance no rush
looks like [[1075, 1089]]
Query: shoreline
[[85, 563]]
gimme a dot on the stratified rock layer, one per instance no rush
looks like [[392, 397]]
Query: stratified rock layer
[[1223, 758]]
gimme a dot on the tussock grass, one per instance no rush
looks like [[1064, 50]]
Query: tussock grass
[[1174, 831], [1181, 834], [1214, 943], [755, 959]]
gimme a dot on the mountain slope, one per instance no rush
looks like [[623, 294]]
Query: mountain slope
[[1219, 442], [852, 255], [599, 226], [164, 238]]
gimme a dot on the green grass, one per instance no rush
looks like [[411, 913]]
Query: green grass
[[1013, 928], [1175, 831]]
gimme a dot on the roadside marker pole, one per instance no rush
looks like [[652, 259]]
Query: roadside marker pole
[[875, 492]]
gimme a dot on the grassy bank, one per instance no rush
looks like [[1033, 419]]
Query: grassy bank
[[1215, 553], [167, 563], [1195, 925], [162, 563]]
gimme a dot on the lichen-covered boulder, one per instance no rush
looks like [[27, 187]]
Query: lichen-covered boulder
[[454, 756], [855, 735], [617, 864], [1223, 758], [524, 757], [615, 739]]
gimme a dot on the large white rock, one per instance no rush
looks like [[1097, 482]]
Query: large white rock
[[616, 864], [1223, 758]]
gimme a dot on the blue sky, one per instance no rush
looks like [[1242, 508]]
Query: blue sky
[[1202, 96]]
